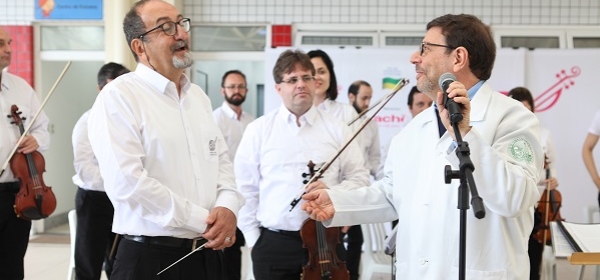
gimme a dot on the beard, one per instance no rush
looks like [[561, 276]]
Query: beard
[[358, 109], [426, 86], [184, 62], [187, 60], [233, 101]]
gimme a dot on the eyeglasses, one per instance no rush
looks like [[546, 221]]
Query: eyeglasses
[[240, 87], [170, 27], [423, 44], [294, 80]]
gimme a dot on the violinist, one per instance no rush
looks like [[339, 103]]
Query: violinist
[[14, 232], [163, 159], [94, 210], [503, 137], [536, 246], [270, 160]]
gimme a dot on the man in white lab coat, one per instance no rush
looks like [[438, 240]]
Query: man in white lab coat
[[503, 137]]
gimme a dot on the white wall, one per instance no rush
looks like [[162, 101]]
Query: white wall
[[74, 95]]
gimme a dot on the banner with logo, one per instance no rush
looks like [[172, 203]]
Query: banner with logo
[[561, 82], [68, 9]]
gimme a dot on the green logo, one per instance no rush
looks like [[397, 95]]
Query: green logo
[[390, 83], [521, 150]]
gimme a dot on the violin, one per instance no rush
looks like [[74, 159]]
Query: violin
[[34, 200], [321, 243], [549, 209]]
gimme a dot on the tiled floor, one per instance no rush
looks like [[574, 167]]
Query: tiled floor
[[50, 261]]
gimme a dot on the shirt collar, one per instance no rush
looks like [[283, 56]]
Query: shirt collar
[[158, 81], [473, 90], [308, 117], [4, 84], [229, 112]]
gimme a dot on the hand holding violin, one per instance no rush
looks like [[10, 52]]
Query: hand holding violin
[[28, 145]]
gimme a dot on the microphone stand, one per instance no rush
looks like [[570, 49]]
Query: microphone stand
[[465, 174]]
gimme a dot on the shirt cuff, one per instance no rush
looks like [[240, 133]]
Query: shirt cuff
[[197, 220], [252, 236]]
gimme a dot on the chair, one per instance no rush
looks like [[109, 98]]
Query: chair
[[374, 258], [72, 216], [589, 213]]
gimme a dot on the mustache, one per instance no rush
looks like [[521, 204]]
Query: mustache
[[179, 44]]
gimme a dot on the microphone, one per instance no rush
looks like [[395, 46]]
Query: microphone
[[454, 110]]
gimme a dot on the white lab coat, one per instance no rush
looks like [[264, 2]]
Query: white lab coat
[[413, 190]]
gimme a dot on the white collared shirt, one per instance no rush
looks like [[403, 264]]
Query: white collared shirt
[[344, 112], [87, 174], [273, 154], [231, 128], [369, 140], [16, 91], [163, 159]]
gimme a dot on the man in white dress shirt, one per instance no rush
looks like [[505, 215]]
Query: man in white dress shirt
[[230, 117], [162, 157], [94, 210], [14, 231], [273, 154], [505, 149], [232, 120]]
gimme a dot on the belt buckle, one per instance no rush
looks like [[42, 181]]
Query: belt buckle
[[195, 243]]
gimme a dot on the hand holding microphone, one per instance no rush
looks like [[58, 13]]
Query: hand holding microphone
[[454, 110], [457, 110]]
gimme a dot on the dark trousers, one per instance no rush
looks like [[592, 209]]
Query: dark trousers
[[14, 236], [139, 261], [535, 258], [94, 234], [535, 248], [281, 256], [355, 241], [233, 257]]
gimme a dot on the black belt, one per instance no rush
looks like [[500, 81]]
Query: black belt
[[285, 232], [10, 187], [167, 241]]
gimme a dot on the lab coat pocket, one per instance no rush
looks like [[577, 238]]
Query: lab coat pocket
[[483, 275]]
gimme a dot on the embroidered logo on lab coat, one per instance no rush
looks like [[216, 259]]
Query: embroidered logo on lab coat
[[212, 145], [521, 150]]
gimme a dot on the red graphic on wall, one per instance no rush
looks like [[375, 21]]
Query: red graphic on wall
[[548, 98], [47, 6]]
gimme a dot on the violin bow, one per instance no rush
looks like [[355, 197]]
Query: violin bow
[[385, 97], [322, 170], [32, 120]]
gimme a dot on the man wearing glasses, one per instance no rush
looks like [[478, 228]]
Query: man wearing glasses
[[269, 166], [232, 120], [162, 157]]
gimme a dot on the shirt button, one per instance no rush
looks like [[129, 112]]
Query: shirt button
[[423, 262]]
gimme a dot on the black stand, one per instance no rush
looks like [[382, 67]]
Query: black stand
[[465, 174]]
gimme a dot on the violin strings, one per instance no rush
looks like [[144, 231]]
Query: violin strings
[[324, 262]]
